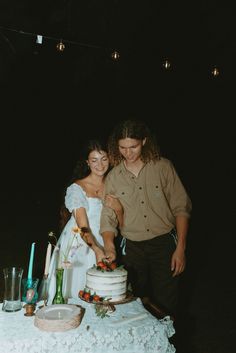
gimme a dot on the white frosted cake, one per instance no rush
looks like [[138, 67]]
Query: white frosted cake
[[111, 285]]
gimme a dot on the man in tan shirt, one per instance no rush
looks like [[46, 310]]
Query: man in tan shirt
[[156, 214]]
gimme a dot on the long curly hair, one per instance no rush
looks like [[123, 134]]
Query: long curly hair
[[81, 170], [137, 130]]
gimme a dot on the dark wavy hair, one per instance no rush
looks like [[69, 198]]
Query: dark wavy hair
[[81, 170], [137, 130]]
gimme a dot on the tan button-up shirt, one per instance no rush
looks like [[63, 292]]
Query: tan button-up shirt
[[151, 200]]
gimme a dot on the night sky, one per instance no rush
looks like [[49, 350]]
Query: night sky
[[51, 102]]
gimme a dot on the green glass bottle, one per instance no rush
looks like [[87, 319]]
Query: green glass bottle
[[59, 299]]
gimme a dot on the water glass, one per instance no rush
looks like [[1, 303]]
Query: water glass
[[12, 291]]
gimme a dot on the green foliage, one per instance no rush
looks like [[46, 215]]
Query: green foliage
[[101, 310]]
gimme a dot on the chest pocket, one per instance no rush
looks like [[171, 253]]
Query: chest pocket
[[157, 192]]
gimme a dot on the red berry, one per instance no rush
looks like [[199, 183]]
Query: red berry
[[112, 265], [96, 298], [81, 293], [86, 296]]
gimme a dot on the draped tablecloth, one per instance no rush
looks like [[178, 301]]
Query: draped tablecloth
[[129, 329]]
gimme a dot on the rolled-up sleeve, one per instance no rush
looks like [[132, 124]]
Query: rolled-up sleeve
[[177, 196], [108, 220]]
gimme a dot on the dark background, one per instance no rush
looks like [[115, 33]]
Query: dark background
[[51, 102]]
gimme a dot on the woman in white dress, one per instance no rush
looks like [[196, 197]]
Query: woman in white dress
[[83, 200]]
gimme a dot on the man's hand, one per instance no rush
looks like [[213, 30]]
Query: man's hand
[[110, 254], [178, 262]]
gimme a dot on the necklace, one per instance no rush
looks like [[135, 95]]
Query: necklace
[[94, 187], [98, 191]]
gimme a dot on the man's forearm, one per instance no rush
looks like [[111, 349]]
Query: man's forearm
[[182, 225], [109, 245], [108, 239]]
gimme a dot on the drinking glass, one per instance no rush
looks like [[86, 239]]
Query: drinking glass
[[12, 291]]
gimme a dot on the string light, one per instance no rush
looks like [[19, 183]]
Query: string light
[[215, 71], [60, 46], [166, 64], [115, 55], [41, 37]]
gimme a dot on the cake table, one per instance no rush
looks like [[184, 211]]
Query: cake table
[[129, 329]]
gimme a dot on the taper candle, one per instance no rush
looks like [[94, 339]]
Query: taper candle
[[30, 270], [48, 258]]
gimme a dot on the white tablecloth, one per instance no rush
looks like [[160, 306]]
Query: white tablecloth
[[130, 329]]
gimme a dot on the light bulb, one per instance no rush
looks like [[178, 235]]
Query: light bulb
[[166, 64], [60, 46], [215, 71], [115, 55]]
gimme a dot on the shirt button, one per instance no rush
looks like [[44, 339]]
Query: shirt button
[[140, 188], [157, 186], [144, 216], [142, 201], [122, 193], [147, 230]]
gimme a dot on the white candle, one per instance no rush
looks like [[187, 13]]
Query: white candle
[[48, 258]]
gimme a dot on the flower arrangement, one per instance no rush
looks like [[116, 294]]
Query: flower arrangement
[[72, 247]]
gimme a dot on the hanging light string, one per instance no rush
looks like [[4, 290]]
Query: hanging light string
[[114, 54], [51, 38]]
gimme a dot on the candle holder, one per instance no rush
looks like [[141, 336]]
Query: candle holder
[[43, 290], [30, 294], [29, 309]]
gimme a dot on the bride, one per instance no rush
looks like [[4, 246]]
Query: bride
[[80, 244]]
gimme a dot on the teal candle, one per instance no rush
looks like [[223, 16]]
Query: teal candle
[[30, 270]]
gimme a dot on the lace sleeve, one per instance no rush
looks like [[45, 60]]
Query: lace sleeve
[[75, 198]]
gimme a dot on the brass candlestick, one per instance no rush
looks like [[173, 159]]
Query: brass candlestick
[[29, 308]]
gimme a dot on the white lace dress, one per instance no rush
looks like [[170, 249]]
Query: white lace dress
[[80, 255]]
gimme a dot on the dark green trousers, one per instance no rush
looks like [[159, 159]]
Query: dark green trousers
[[149, 270]]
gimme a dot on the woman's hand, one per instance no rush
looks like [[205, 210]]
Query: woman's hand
[[89, 239], [113, 202], [99, 253]]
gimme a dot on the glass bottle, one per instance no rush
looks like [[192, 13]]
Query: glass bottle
[[58, 298]]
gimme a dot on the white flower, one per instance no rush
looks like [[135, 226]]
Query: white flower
[[76, 230], [71, 249], [66, 264]]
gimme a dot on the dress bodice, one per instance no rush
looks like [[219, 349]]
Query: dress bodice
[[80, 255], [76, 197]]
